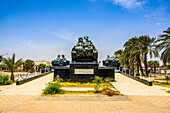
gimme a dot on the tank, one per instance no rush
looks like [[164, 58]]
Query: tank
[[111, 62], [60, 61], [84, 50]]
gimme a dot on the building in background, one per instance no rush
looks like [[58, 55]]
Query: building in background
[[37, 63]]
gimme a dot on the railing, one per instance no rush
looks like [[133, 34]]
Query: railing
[[31, 78]]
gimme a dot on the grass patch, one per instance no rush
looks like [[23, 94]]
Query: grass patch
[[78, 84], [163, 84], [100, 92], [54, 89], [82, 92]]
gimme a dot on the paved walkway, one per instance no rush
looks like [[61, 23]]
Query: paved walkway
[[30, 88], [124, 104], [128, 86], [26, 99]]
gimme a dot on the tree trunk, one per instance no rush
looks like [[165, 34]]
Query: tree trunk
[[146, 64], [133, 70], [12, 76], [154, 69], [140, 64], [137, 67]]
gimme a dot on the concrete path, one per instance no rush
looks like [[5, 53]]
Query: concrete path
[[30, 88], [128, 86]]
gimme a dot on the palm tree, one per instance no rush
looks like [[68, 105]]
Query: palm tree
[[164, 44], [122, 58], [12, 65], [132, 46], [117, 53], [147, 46]]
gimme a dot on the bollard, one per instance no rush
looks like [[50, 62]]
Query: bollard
[[149, 77], [19, 77]]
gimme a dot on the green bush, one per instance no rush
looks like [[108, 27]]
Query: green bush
[[98, 80], [53, 88], [168, 66], [4, 80]]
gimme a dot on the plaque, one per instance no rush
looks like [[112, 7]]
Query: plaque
[[83, 71]]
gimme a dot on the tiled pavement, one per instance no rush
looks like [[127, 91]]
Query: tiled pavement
[[33, 87], [129, 86], [25, 98], [125, 104]]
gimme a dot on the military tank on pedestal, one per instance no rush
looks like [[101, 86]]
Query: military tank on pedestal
[[60, 61], [84, 51], [111, 62]]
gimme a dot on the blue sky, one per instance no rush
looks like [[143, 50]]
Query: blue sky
[[42, 29]]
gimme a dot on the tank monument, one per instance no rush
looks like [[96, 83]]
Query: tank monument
[[84, 65]]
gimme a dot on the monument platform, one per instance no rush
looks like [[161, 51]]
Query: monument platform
[[83, 72], [84, 66]]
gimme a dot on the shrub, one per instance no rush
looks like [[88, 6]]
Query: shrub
[[4, 80], [8, 82], [168, 66], [97, 81], [53, 88]]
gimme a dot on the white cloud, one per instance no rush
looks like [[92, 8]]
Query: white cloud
[[158, 23], [67, 36], [156, 15], [27, 42], [129, 4]]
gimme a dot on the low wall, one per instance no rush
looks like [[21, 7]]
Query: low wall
[[149, 83], [31, 78]]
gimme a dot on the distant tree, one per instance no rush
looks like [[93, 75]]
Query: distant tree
[[29, 64], [150, 64], [48, 66], [12, 65], [165, 46], [155, 64], [42, 66]]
